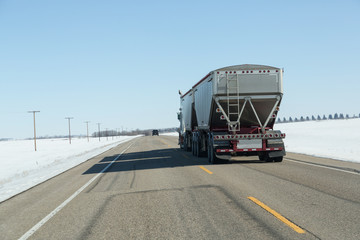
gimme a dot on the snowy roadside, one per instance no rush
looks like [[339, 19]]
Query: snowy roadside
[[170, 134], [335, 139], [23, 168]]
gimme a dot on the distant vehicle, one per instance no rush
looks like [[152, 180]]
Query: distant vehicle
[[155, 132], [231, 112]]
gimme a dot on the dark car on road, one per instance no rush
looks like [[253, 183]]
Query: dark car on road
[[155, 132]]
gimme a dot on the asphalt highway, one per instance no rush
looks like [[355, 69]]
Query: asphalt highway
[[150, 189]]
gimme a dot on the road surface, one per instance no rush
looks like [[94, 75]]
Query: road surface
[[149, 189]]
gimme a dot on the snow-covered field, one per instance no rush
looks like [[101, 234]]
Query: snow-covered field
[[170, 134], [336, 139], [22, 167]]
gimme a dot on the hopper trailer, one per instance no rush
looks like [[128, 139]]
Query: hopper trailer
[[231, 112]]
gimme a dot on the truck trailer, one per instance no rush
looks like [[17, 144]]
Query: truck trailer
[[231, 112]]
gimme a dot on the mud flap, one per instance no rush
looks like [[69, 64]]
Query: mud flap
[[274, 143], [277, 154]]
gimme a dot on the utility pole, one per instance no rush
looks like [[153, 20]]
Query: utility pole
[[68, 118], [87, 130], [99, 130], [107, 137], [34, 127]]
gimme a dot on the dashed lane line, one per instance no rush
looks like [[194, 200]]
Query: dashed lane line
[[206, 170], [164, 143], [278, 215]]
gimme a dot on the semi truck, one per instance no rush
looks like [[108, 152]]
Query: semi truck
[[231, 112]]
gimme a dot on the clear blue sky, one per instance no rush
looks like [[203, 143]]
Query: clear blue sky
[[121, 63]]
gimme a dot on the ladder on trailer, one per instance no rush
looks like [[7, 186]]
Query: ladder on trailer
[[233, 106]]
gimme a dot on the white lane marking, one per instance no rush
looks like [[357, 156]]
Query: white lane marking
[[317, 165], [61, 206]]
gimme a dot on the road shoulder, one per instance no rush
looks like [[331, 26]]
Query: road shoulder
[[326, 162]]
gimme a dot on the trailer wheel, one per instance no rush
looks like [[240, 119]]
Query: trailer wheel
[[197, 149], [211, 155], [186, 147], [278, 159], [262, 157], [265, 157], [192, 148]]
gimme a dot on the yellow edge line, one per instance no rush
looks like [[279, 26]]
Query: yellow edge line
[[277, 215], [206, 170]]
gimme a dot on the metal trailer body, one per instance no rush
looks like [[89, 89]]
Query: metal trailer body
[[231, 112], [185, 117]]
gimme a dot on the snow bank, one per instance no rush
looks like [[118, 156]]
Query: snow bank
[[170, 134], [336, 139], [23, 168]]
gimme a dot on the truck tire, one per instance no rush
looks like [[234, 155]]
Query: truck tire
[[192, 149], [265, 157], [211, 155], [186, 148], [197, 149]]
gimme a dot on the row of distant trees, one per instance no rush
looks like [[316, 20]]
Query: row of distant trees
[[145, 132], [110, 133], [336, 116]]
